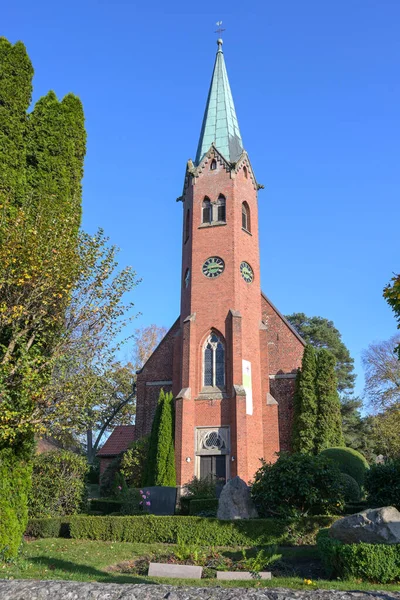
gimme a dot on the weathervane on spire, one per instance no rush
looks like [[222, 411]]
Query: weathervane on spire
[[219, 30]]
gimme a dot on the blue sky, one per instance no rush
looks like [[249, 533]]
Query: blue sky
[[317, 93]]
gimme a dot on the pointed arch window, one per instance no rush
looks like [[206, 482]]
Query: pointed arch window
[[245, 172], [213, 165], [221, 208], [214, 362], [246, 216], [207, 210], [187, 225]]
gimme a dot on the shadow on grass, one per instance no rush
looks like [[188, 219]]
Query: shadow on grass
[[86, 572]]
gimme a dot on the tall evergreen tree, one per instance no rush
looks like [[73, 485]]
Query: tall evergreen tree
[[329, 421], [160, 468], [16, 74], [305, 404]]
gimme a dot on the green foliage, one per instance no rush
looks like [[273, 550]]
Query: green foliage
[[329, 420], [15, 481], [203, 507], [391, 293], [305, 404], [151, 529], [298, 484], [382, 483], [107, 479], [386, 432], [131, 500], [160, 465], [48, 527], [349, 461], [322, 333], [263, 559], [15, 97], [106, 506], [378, 563], [133, 462], [58, 484], [201, 488], [351, 489], [358, 431]]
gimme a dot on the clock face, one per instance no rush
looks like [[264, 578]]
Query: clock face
[[246, 272], [187, 277], [213, 266]]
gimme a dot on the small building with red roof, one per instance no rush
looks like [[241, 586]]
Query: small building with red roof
[[119, 441]]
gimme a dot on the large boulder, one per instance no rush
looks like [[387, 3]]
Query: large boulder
[[235, 501], [373, 526]]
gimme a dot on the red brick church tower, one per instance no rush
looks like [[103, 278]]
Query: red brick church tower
[[231, 358]]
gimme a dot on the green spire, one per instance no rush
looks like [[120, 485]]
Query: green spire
[[220, 125]]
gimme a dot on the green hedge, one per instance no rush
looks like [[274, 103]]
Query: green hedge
[[48, 527], [152, 529], [378, 563], [349, 461], [203, 505], [106, 506], [15, 482]]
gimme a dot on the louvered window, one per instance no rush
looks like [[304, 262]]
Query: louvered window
[[221, 216], [207, 211]]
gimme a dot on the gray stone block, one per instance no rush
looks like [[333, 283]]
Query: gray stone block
[[241, 575], [175, 571]]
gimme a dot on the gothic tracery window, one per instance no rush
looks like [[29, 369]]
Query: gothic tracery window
[[207, 210], [214, 362]]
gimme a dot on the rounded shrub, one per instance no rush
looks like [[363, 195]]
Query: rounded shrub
[[349, 461], [351, 489], [382, 484], [15, 481], [298, 484], [58, 484]]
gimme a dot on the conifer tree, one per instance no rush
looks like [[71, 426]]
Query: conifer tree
[[305, 404], [160, 468], [16, 74], [329, 422]]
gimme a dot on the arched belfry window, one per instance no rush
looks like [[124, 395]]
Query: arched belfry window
[[207, 210], [214, 362], [221, 216], [213, 165], [187, 225], [245, 172], [245, 216]]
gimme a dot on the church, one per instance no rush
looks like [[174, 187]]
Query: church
[[230, 359]]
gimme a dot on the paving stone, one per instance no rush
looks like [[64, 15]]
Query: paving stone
[[242, 575]]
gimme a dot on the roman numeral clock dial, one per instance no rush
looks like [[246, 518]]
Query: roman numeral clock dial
[[213, 266]]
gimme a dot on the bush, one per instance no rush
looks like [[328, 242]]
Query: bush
[[107, 479], [106, 506], [351, 489], [201, 488], [48, 527], [15, 482], [133, 462], [58, 484], [349, 461], [131, 502], [205, 507], [378, 563], [382, 483], [298, 484], [150, 529]]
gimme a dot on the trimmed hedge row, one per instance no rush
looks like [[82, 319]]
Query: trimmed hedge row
[[151, 529], [203, 505], [48, 527], [106, 505], [378, 563]]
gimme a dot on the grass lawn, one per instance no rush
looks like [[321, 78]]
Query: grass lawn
[[81, 560]]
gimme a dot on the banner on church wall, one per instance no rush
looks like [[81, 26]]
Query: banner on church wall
[[246, 374]]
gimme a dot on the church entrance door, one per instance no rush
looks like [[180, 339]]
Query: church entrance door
[[214, 466]]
